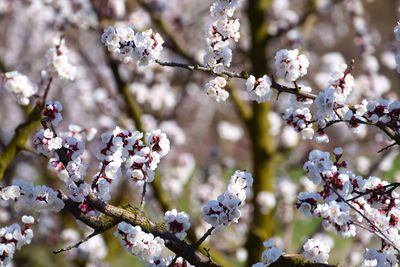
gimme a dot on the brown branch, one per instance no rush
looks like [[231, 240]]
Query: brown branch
[[278, 87], [297, 260], [135, 216], [132, 215]]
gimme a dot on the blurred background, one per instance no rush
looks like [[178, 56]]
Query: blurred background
[[209, 140]]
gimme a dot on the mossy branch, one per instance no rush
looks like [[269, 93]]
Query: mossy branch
[[296, 260], [18, 142]]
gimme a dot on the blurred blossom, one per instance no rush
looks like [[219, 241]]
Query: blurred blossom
[[229, 131]]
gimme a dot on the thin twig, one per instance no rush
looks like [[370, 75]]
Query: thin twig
[[46, 92], [77, 244], [204, 237], [202, 68], [143, 196], [393, 185], [387, 147]]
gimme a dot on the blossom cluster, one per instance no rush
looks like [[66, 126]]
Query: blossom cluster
[[177, 223], [47, 142], [329, 100], [331, 104], [58, 63], [143, 245], [52, 112], [128, 45], [315, 250], [346, 200], [259, 89], [299, 116], [14, 237], [220, 30], [270, 254], [118, 149], [226, 208], [140, 159], [20, 86], [374, 257], [35, 198], [215, 88], [342, 82], [32, 198], [290, 65]]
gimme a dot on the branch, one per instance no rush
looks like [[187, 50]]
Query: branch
[[135, 216], [209, 70], [387, 147], [23, 132], [297, 260], [278, 87]]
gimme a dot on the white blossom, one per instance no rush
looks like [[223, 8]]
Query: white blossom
[[20, 86], [177, 223], [142, 47], [141, 244], [259, 89], [215, 88], [290, 65], [316, 251], [58, 62], [270, 254], [226, 208]]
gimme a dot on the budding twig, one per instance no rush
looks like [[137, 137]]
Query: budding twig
[[380, 234]]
